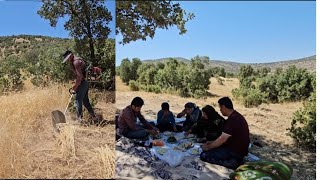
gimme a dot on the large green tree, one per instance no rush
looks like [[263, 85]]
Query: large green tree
[[87, 23], [139, 19]]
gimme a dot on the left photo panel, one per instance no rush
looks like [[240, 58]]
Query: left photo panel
[[57, 89]]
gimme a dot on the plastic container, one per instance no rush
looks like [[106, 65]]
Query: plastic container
[[158, 143]]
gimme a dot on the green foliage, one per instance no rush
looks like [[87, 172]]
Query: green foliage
[[134, 68], [246, 71], [128, 70], [87, 23], [44, 65], [147, 72], [218, 71], [134, 85], [294, 84], [303, 125], [139, 19], [187, 80], [249, 97], [151, 88], [268, 86], [263, 72], [230, 75], [106, 62], [11, 78], [290, 85]]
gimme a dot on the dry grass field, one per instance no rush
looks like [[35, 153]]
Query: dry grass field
[[267, 123], [29, 148]]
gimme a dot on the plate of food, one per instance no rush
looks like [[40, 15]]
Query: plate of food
[[195, 150], [171, 140], [186, 145], [161, 150], [167, 133], [191, 136]]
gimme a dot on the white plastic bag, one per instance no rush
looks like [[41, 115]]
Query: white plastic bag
[[172, 157]]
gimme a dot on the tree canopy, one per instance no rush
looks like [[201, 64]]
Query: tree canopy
[[88, 22], [139, 19]]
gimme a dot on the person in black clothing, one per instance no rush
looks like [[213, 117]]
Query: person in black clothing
[[193, 116], [232, 145], [210, 126]]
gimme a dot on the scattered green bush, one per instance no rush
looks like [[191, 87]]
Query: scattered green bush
[[134, 85], [187, 80], [303, 125]]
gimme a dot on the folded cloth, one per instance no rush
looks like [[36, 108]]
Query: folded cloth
[[262, 170]]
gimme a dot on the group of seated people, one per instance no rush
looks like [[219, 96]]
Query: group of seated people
[[226, 141]]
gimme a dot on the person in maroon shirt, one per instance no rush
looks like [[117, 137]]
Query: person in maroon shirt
[[232, 145], [127, 121], [81, 86]]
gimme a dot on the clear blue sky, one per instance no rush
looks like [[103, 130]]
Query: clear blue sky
[[246, 32], [20, 17]]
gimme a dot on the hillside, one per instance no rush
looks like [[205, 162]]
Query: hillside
[[23, 43], [234, 67]]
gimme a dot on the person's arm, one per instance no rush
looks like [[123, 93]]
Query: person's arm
[[172, 121], [145, 122], [217, 143], [191, 130], [159, 117], [181, 114], [78, 70]]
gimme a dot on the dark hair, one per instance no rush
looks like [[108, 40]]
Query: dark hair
[[66, 53], [137, 102], [165, 106], [189, 105], [211, 112], [226, 101]]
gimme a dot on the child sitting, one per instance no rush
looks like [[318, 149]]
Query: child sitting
[[165, 119]]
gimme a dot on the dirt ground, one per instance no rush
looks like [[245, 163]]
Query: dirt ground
[[268, 123]]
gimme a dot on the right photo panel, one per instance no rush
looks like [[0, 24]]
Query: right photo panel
[[215, 90]]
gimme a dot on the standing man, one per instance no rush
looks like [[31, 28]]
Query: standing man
[[128, 125], [81, 86], [232, 145]]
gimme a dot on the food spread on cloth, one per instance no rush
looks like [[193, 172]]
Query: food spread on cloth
[[162, 151], [171, 139], [185, 145]]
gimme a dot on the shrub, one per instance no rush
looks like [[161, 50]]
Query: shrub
[[134, 85], [128, 70], [303, 125], [282, 86], [187, 80], [249, 97]]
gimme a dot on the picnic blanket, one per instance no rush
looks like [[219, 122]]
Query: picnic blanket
[[133, 162]]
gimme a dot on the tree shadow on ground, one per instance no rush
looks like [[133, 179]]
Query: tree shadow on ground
[[140, 167], [209, 94]]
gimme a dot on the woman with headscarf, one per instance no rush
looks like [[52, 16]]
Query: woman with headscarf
[[209, 127]]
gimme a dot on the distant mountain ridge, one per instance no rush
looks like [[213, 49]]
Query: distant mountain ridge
[[308, 63]]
